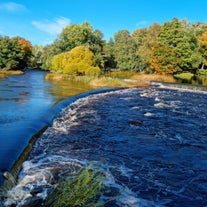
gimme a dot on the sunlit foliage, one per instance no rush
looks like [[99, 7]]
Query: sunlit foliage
[[80, 60], [171, 48], [202, 39], [15, 53]]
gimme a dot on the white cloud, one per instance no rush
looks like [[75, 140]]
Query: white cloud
[[141, 23], [52, 27], [13, 7]]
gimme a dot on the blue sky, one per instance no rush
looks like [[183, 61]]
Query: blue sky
[[40, 21]]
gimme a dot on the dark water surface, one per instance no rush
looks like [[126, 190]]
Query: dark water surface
[[151, 143], [28, 103]]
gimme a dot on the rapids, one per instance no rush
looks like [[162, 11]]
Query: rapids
[[151, 143]]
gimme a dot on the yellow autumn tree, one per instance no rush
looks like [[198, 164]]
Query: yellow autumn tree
[[202, 39], [79, 60], [57, 62]]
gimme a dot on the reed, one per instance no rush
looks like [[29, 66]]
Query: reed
[[60, 77], [146, 78], [84, 189]]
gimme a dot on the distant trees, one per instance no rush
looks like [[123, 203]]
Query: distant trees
[[15, 53], [174, 47], [177, 49], [72, 36], [125, 51]]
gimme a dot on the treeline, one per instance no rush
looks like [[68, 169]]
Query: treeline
[[15, 53], [176, 46]]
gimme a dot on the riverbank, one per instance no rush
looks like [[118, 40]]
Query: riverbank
[[6, 73], [114, 79]]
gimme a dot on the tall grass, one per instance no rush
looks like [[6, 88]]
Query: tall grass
[[110, 82], [114, 79], [60, 77], [6, 73], [84, 189], [146, 78]]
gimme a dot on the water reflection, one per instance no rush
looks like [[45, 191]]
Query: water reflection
[[26, 101]]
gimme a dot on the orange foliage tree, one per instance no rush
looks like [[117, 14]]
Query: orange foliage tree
[[25, 45]]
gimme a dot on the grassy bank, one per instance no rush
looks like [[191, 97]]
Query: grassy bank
[[6, 73], [146, 78], [114, 79]]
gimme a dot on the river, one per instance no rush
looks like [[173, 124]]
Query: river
[[150, 143], [27, 104]]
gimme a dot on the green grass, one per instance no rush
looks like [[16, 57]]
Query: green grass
[[110, 82], [184, 76], [120, 74], [84, 189]]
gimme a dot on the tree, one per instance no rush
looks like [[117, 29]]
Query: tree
[[109, 59], [81, 35], [202, 39], [176, 38], [36, 56], [15, 53], [147, 40], [25, 52], [125, 50], [79, 60]]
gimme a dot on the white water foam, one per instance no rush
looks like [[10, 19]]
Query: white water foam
[[140, 172], [40, 175]]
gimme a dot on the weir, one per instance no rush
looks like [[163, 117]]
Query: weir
[[151, 139], [10, 177], [183, 86]]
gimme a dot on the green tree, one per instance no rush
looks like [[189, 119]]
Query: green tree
[[15, 53], [147, 40], [125, 51], [109, 59], [36, 56], [179, 41], [81, 35]]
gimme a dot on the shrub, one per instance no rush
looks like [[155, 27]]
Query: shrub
[[93, 71], [184, 76], [202, 72]]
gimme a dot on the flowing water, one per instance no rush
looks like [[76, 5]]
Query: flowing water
[[28, 103], [151, 144]]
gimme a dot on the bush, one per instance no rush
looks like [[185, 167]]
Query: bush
[[93, 71], [202, 72], [185, 76]]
